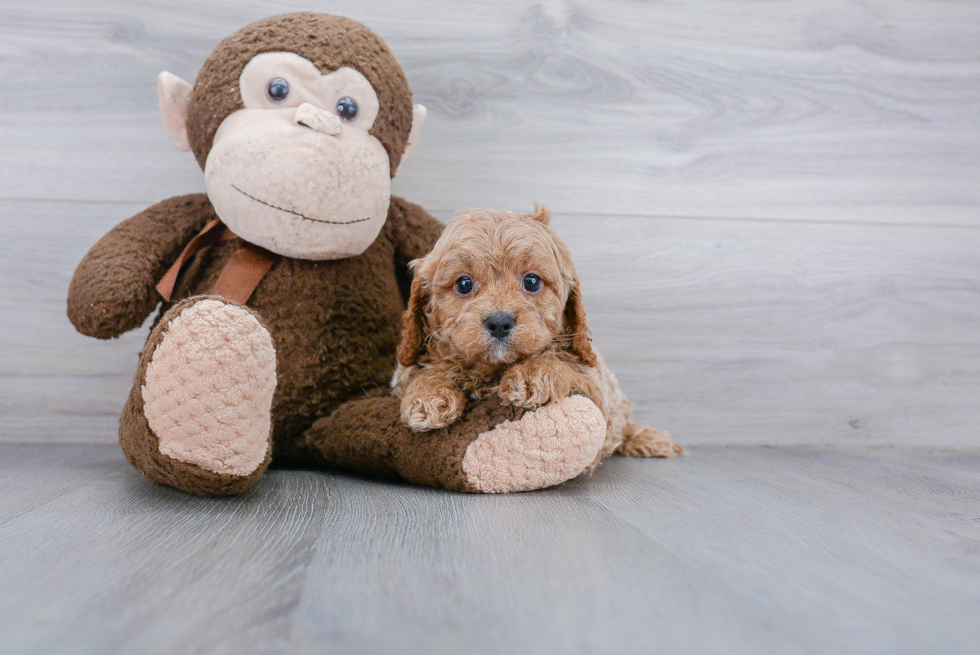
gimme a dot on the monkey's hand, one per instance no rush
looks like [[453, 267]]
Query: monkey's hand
[[430, 402], [112, 290]]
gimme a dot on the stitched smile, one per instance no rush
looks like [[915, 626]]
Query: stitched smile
[[289, 211]]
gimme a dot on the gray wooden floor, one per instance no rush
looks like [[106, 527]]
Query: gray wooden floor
[[775, 211], [731, 550]]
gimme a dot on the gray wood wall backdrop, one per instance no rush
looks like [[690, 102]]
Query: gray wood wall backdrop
[[775, 206]]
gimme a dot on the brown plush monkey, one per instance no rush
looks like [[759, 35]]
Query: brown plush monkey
[[284, 285]]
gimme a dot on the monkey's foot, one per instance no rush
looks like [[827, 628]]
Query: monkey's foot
[[198, 415], [543, 448], [208, 388]]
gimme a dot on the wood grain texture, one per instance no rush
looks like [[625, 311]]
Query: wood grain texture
[[629, 120], [839, 111], [722, 331], [762, 332], [731, 549]]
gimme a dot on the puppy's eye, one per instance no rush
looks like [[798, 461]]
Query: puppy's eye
[[532, 283], [464, 286], [347, 108], [278, 90]]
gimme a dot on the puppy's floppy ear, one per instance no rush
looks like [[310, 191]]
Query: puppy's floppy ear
[[541, 214], [576, 327], [413, 323]]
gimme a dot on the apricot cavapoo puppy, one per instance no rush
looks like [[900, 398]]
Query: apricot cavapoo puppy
[[496, 308]]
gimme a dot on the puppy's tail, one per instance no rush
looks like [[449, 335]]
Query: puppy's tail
[[643, 441]]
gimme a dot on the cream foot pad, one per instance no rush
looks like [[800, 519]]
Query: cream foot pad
[[546, 447], [208, 388]]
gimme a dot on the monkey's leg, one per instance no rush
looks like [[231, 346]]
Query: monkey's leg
[[493, 448], [198, 416]]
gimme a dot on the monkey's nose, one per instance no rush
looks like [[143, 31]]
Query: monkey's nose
[[317, 119], [499, 325]]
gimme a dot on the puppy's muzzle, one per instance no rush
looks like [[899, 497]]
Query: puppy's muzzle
[[499, 325]]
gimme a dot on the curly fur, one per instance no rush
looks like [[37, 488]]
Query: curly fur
[[447, 355]]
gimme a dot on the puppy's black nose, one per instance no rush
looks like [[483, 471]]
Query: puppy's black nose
[[499, 324]]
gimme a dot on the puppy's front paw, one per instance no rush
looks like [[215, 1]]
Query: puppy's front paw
[[526, 386], [432, 410]]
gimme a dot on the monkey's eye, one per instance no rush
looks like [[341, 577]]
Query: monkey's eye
[[347, 108], [464, 286], [278, 90], [532, 283]]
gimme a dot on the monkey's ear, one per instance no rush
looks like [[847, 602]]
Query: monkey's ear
[[418, 119], [413, 325], [175, 97]]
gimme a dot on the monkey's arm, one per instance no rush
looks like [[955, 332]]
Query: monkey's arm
[[112, 290]]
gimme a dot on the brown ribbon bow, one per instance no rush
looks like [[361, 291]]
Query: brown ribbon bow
[[238, 278]]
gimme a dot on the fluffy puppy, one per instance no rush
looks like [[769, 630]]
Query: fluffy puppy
[[496, 307]]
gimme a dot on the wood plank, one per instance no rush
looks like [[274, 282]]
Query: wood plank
[[731, 549], [758, 332], [135, 567], [426, 571], [721, 331], [848, 550], [56, 384], [33, 475], [849, 111]]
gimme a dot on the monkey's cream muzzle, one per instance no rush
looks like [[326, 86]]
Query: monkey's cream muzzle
[[324, 195]]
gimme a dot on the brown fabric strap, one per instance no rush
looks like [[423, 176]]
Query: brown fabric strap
[[211, 234], [243, 272], [239, 277]]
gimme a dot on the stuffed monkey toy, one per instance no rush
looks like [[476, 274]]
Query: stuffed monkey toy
[[282, 287]]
